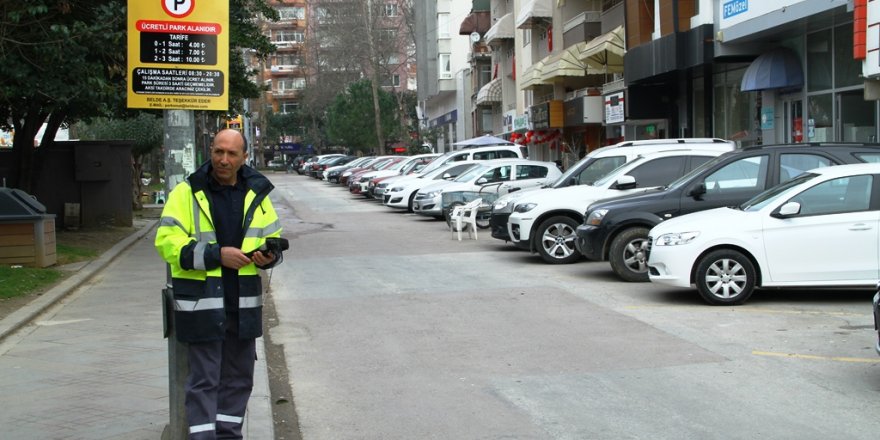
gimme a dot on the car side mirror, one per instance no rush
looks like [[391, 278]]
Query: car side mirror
[[514, 189], [625, 182], [698, 190], [787, 210], [481, 181]]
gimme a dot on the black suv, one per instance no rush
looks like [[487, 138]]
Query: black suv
[[616, 229]]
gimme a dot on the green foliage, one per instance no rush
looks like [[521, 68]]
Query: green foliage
[[144, 129], [350, 118], [279, 125]]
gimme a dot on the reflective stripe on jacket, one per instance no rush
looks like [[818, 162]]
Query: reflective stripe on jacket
[[187, 241]]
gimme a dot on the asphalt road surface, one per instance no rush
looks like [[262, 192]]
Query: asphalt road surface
[[392, 329]]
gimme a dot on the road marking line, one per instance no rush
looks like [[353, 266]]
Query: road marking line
[[815, 357], [750, 310]]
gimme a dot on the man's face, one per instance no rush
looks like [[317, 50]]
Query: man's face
[[227, 156]]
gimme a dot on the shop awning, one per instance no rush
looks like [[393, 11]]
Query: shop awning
[[502, 29], [477, 21], [603, 54], [562, 63], [531, 77], [533, 12], [777, 69], [489, 93]]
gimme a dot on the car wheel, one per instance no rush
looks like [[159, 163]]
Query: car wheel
[[629, 255], [554, 240], [409, 205], [725, 277], [484, 219]]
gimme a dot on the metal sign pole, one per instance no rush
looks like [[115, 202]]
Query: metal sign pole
[[180, 154]]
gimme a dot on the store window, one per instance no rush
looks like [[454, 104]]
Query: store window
[[819, 118], [857, 117], [699, 122], [847, 71], [819, 60], [734, 110]]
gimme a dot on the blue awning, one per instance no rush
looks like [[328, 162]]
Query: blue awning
[[776, 69]]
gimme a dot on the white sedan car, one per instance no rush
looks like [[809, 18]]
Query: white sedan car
[[498, 176], [819, 229], [403, 192]]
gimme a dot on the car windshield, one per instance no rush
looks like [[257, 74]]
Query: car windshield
[[613, 174], [763, 199], [437, 163], [588, 170], [472, 173]]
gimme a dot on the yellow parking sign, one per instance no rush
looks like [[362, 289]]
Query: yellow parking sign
[[178, 54]]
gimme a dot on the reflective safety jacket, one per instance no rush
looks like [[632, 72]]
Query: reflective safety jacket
[[187, 241]]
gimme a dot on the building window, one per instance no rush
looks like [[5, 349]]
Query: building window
[[390, 10], [393, 59], [321, 14], [485, 74], [289, 36], [299, 83], [443, 25], [284, 84], [289, 106], [445, 65], [294, 13], [527, 37], [287, 59]]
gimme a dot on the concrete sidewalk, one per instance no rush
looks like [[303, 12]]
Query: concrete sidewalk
[[87, 359]]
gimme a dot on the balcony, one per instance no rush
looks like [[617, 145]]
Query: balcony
[[286, 93], [285, 70], [287, 45], [583, 27]]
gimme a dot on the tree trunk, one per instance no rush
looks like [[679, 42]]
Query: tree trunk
[[137, 185], [26, 126]]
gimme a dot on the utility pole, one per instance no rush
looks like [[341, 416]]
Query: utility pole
[[180, 162]]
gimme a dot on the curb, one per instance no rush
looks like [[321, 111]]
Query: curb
[[21, 317]]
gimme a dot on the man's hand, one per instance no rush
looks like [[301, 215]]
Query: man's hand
[[233, 258], [262, 259]]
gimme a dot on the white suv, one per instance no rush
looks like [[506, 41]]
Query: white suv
[[544, 221]]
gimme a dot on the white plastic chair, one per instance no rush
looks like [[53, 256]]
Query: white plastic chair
[[465, 216]]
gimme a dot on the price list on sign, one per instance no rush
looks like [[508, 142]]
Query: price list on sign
[[178, 54], [178, 49]]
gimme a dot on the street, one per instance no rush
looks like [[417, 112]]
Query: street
[[392, 329]]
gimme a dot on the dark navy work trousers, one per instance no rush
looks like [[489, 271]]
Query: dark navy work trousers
[[221, 377]]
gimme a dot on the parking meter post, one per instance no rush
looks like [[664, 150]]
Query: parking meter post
[[180, 162]]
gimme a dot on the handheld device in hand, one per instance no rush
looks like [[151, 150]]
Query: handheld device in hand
[[274, 245]]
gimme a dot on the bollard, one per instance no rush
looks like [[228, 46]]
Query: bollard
[[178, 368]]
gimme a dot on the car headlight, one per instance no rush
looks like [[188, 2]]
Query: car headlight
[[396, 189], [502, 206], [525, 207], [676, 238], [595, 217], [432, 194]]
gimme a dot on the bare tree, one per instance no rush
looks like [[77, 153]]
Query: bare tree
[[354, 39]]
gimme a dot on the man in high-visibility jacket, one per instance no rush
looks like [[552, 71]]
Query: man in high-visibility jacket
[[210, 233]]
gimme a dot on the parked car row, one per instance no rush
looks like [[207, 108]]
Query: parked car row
[[682, 212]]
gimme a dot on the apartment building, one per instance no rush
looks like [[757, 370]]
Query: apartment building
[[444, 77], [755, 72]]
